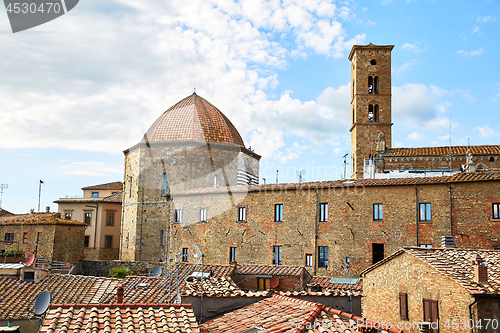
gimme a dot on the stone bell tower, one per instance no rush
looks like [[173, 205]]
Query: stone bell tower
[[370, 102]]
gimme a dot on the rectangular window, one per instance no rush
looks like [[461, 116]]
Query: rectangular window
[[161, 240], [110, 218], [242, 213], [377, 252], [323, 256], [403, 305], [67, 215], [278, 213], [86, 241], [428, 246], [95, 194], [431, 314], [496, 210], [25, 237], [39, 237], [323, 212], [108, 241], [178, 216], [185, 254], [424, 212], [232, 254], [309, 260], [378, 211], [203, 214], [164, 185], [87, 217], [263, 283], [277, 255], [9, 236]]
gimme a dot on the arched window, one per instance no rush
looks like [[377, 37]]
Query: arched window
[[375, 113], [370, 85], [492, 159], [370, 113], [375, 84], [162, 237]]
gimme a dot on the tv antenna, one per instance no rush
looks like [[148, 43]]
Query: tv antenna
[[345, 164], [2, 187], [398, 236], [300, 175]]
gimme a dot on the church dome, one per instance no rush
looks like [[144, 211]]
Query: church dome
[[193, 119]]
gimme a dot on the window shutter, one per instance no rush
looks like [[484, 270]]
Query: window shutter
[[403, 305]]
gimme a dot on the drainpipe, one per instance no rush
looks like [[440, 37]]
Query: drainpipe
[[451, 211], [416, 211], [315, 232], [470, 313]]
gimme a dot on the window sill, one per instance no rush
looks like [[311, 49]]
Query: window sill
[[495, 220], [425, 222], [241, 221], [378, 221]]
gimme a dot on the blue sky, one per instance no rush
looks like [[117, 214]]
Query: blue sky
[[77, 91]]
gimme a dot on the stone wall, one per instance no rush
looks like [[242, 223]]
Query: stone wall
[[102, 267], [409, 275]]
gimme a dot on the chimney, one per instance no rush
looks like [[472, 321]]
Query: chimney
[[235, 266], [47, 209], [447, 242], [119, 294], [480, 270]]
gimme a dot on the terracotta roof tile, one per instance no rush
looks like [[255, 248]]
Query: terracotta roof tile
[[443, 151], [38, 218], [333, 288], [286, 314], [106, 186], [107, 318], [116, 198], [17, 298], [279, 270], [456, 264], [460, 177], [193, 119]]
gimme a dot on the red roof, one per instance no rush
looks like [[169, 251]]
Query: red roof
[[38, 218], [106, 186], [443, 151], [193, 119]]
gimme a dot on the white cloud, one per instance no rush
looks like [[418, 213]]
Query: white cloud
[[112, 65], [416, 104], [486, 131], [90, 168], [471, 53], [475, 30], [439, 123], [411, 47], [416, 136], [406, 66], [443, 107], [486, 19]]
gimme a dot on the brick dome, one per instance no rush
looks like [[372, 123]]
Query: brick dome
[[193, 119]]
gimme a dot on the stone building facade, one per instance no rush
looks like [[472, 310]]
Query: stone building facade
[[101, 211], [442, 286], [175, 205], [191, 145], [46, 235]]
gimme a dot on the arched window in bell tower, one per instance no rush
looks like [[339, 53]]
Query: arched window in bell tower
[[375, 113], [370, 84], [375, 84], [370, 113]]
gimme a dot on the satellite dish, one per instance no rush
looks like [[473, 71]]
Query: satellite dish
[[275, 281], [42, 303], [157, 271], [30, 259]]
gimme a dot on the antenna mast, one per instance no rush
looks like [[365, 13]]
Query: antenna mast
[[2, 187]]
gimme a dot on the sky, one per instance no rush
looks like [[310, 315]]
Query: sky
[[77, 91]]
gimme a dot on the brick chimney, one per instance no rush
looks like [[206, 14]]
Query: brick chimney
[[480, 270], [234, 263], [119, 294]]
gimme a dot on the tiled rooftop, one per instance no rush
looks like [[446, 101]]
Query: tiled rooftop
[[285, 314], [456, 264], [457, 178], [38, 218], [443, 151], [4, 212], [219, 287], [116, 198], [106, 186], [93, 318], [193, 119], [279, 270], [334, 288], [141, 289], [17, 298]]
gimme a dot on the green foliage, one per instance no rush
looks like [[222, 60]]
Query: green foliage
[[11, 252], [120, 272]]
